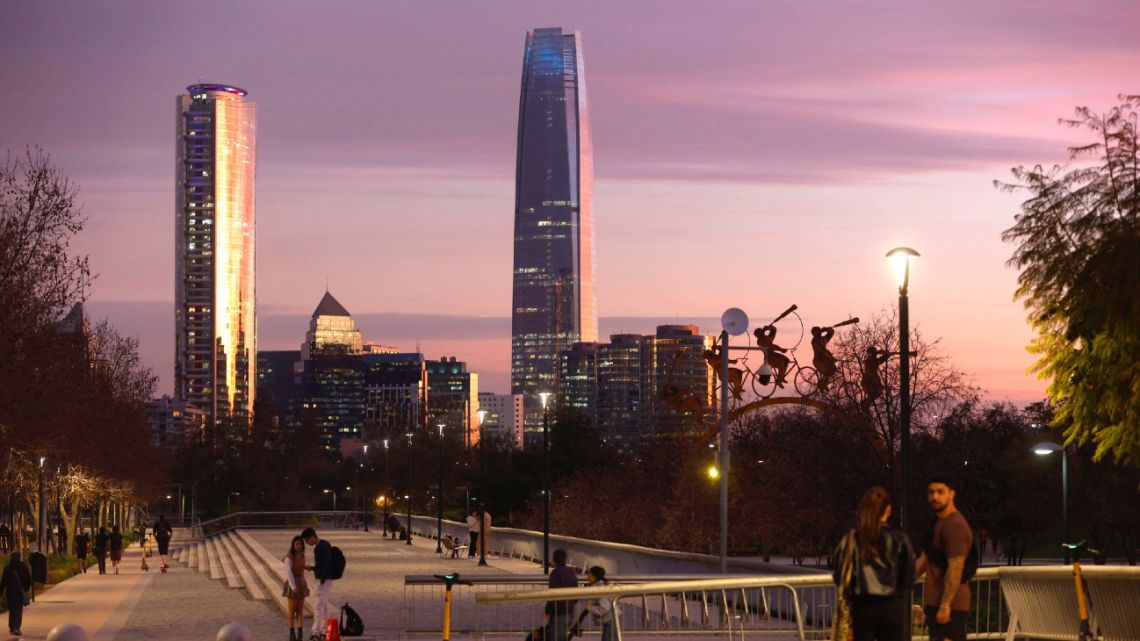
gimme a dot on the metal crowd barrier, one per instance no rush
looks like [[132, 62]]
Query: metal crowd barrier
[[1043, 604]]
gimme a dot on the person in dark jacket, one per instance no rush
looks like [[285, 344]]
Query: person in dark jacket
[[883, 572], [560, 614], [322, 572], [162, 534], [82, 542], [115, 544], [15, 581], [100, 549]]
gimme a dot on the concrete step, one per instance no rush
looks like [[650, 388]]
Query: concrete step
[[204, 557], [215, 562], [271, 569], [192, 557], [226, 558], [260, 581]]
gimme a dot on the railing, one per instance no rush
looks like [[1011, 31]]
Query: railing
[[793, 607], [278, 520], [1044, 605]]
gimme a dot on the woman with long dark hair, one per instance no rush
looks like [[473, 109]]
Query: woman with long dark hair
[[878, 562], [296, 589]]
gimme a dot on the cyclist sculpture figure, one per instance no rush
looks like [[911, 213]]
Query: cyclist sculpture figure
[[872, 382], [773, 353], [735, 374], [822, 359]]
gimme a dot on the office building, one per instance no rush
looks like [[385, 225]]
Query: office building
[[453, 398], [553, 280], [503, 421], [215, 313]]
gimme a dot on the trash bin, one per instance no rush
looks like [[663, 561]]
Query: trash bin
[[38, 562]]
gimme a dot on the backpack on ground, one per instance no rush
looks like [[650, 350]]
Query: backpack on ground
[[351, 625], [338, 563]]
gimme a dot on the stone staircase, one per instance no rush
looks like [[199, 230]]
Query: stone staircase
[[241, 562]]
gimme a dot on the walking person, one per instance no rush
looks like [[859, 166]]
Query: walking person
[[15, 581], [323, 572], [296, 589], [100, 549], [946, 596], [116, 544], [472, 532], [601, 610], [560, 614], [881, 571], [162, 534], [82, 543]]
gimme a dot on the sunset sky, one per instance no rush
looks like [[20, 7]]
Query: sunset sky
[[749, 154]]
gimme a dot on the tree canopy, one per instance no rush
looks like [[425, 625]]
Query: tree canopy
[[1078, 249]]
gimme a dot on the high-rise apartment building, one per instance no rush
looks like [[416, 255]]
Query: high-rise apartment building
[[553, 281], [453, 398], [502, 418], [215, 363]]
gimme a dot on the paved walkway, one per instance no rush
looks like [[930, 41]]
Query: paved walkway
[[187, 604]]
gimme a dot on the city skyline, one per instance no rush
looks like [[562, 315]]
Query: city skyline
[[746, 157]]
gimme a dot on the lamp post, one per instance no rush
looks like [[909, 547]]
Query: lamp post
[[387, 489], [482, 490], [365, 503], [1045, 449], [901, 257], [411, 480], [733, 322], [439, 499], [333, 492], [545, 397], [42, 510]]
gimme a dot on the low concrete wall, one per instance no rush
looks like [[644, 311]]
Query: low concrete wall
[[616, 558]]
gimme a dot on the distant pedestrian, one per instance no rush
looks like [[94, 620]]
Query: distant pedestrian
[[879, 563], [115, 542], [82, 543], [296, 589], [485, 533], [323, 572], [15, 581], [61, 534], [946, 594], [472, 532], [5, 537], [559, 614], [162, 534], [601, 610], [100, 549]]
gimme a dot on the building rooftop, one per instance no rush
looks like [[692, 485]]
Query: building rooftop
[[329, 306]]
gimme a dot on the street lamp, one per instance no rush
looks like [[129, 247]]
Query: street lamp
[[1045, 449], [439, 499], [327, 491], [482, 490], [900, 259], [43, 508], [411, 480], [545, 396], [363, 493], [387, 491], [239, 494], [733, 322]]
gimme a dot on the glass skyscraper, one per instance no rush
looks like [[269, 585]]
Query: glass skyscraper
[[215, 358], [554, 221]]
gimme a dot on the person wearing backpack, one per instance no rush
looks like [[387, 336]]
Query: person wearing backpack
[[328, 566], [946, 555]]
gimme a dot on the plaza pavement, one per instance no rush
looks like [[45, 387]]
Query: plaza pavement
[[187, 604]]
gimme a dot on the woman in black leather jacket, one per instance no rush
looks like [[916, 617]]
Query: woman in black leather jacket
[[883, 572]]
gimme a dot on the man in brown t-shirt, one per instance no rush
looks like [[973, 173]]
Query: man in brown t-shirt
[[946, 596]]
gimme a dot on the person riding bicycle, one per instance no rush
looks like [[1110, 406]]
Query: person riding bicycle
[[822, 359], [773, 353]]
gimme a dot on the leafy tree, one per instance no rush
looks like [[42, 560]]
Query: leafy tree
[[1078, 249]]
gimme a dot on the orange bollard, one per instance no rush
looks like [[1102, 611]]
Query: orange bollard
[[332, 630]]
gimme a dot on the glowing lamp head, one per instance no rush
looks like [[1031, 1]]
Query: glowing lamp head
[[1045, 449], [713, 472], [482, 416], [544, 397], [900, 263]]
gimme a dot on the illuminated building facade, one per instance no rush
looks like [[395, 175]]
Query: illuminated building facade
[[553, 279], [215, 364]]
